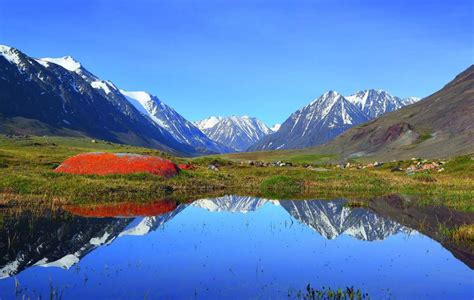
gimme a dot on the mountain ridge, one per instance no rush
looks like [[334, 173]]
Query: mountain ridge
[[326, 117], [58, 96], [237, 132]]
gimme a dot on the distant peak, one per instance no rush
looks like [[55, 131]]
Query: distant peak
[[332, 93]]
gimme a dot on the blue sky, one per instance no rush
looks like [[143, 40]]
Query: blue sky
[[260, 58]]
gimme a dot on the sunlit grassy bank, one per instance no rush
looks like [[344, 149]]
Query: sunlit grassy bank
[[27, 164]]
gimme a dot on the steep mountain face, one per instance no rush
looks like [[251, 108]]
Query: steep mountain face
[[41, 97], [320, 121], [167, 118], [374, 103], [441, 125], [236, 132]]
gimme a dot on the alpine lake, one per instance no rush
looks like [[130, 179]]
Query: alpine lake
[[237, 247]]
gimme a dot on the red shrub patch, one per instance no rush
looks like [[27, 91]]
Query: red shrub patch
[[111, 163], [123, 209], [188, 166]]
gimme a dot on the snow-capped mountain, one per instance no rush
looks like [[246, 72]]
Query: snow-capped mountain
[[236, 132], [409, 100], [333, 218], [320, 121], [60, 97], [375, 102], [329, 218], [328, 116], [144, 225], [208, 123], [67, 99], [230, 203], [166, 117]]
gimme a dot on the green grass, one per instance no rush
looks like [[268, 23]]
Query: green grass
[[423, 137], [423, 177], [279, 187], [27, 175]]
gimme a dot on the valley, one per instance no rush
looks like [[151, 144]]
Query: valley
[[27, 177], [236, 150]]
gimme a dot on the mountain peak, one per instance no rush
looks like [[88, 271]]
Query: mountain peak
[[10, 54], [208, 122], [239, 132], [331, 94], [67, 62], [5, 48]]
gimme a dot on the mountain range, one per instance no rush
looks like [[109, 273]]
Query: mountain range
[[58, 96], [328, 116], [237, 132], [166, 117]]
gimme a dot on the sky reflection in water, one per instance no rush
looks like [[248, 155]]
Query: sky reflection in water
[[237, 247]]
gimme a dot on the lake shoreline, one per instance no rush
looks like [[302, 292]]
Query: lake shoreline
[[27, 177]]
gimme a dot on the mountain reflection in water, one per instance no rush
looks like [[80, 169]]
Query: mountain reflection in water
[[230, 246]]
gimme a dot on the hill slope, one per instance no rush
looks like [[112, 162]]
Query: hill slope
[[442, 125]]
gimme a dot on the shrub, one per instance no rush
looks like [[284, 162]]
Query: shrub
[[110, 163]]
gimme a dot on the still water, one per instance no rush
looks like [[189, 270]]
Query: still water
[[228, 247]]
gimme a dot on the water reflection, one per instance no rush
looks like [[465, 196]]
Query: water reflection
[[235, 247]]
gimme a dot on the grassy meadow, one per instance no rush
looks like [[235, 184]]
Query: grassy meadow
[[27, 177]]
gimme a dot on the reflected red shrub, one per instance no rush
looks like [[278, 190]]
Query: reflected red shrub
[[113, 163], [126, 209]]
